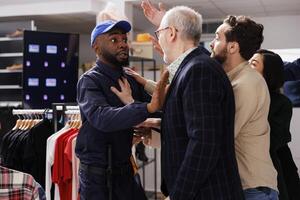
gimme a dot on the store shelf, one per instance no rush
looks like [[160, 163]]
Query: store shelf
[[10, 71], [3, 39], [5, 55], [10, 87], [10, 103], [11, 59]]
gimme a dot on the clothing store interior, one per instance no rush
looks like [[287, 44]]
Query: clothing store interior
[[65, 120]]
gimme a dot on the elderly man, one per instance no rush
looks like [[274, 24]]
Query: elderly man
[[197, 139], [198, 158], [237, 39]]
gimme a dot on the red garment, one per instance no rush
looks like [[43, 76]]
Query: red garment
[[65, 191], [67, 176], [68, 157]]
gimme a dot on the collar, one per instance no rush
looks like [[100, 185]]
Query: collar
[[232, 73], [173, 67], [115, 74]]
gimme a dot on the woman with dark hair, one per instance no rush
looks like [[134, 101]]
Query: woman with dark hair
[[270, 65]]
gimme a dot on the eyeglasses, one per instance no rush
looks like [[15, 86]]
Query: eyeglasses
[[157, 32]]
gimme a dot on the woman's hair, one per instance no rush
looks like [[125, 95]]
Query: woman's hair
[[273, 69]]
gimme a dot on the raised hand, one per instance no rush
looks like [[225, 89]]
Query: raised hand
[[125, 95], [153, 14], [159, 94], [141, 80]]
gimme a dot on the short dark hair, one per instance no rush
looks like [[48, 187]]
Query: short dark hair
[[273, 71], [246, 32]]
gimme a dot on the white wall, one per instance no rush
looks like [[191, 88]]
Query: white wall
[[295, 131], [281, 32], [86, 54]]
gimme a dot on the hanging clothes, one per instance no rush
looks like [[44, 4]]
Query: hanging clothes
[[60, 168], [62, 164], [25, 150], [7, 120], [51, 142], [32, 147]]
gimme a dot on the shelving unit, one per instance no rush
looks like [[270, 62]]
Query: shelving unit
[[11, 53], [10, 103], [10, 71], [10, 87], [144, 64], [3, 39], [17, 54]]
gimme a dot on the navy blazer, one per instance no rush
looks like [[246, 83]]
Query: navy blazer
[[198, 156]]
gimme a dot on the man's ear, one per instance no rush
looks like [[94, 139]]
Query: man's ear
[[233, 47], [173, 34], [96, 48]]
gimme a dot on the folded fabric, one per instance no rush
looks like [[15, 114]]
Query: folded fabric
[[18, 33], [15, 67]]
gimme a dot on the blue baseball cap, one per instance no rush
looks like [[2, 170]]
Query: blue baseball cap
[[107, 25]]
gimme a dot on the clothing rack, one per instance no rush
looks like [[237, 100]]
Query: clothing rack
[[64, 109], [59, 110], [30, 111], [25, 144], [45, 113], [72, 112]]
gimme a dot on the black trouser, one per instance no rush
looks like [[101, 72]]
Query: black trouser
[[93, 184]]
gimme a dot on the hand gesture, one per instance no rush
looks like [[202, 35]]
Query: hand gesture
[[159, 94], [141, 80], [153, 14], [125, 94]]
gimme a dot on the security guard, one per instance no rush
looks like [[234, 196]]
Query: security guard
[[105, 138]]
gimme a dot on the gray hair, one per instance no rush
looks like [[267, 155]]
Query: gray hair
[[186, 20]]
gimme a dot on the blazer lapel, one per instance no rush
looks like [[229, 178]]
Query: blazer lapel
[[194, 53]]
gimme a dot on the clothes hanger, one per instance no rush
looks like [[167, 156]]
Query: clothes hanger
[[18, 123], [33, 120], [28, 124], [23, 122], [74, 122], [70, 121], [78, 121]]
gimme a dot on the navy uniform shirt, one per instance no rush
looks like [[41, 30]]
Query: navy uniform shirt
[[105, 119]]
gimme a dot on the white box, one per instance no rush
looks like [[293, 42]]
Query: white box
[[142, 49]]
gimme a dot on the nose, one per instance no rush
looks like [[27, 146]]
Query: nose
[[123, 44], [211, 44]]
